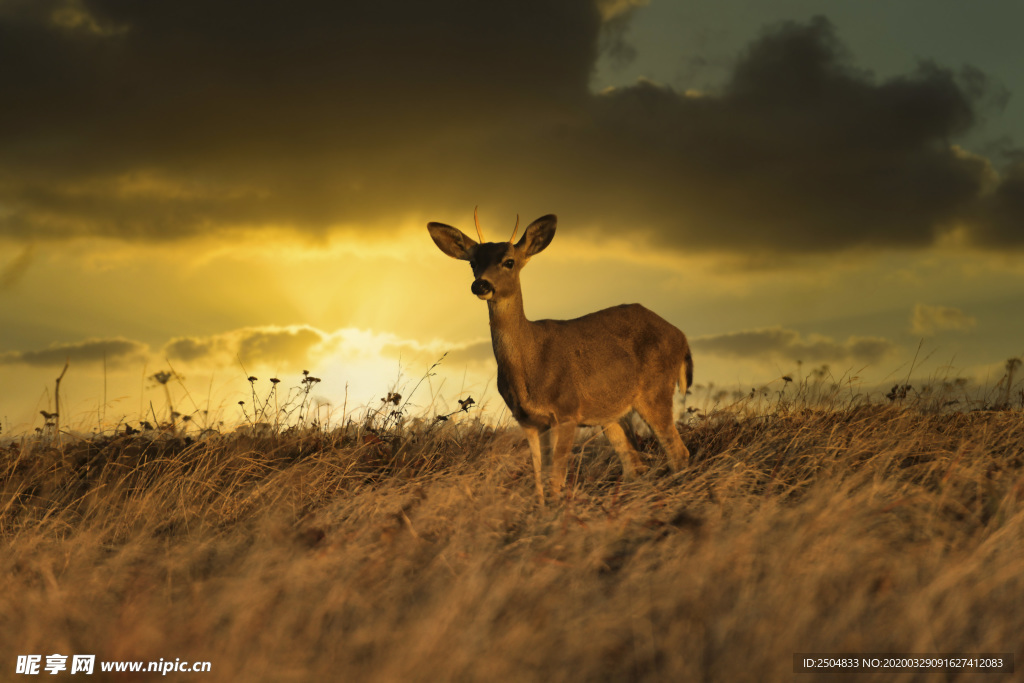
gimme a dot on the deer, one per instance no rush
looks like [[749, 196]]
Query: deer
[[558, 375]]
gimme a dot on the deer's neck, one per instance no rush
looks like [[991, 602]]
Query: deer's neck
[[511, 334]]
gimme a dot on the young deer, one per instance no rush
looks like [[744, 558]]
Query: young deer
[[558, 374]]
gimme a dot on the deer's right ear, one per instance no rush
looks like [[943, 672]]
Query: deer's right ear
[[451, 241]]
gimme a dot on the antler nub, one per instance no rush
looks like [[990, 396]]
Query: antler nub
[[479, 232], [514, 231]]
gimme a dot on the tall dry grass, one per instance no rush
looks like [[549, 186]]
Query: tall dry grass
[[421, 554]]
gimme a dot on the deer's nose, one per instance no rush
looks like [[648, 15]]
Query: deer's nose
[[482, 287]]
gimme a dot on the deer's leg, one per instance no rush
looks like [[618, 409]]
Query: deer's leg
[[533, 439], [658, 414], [631, 463], [562, 438]]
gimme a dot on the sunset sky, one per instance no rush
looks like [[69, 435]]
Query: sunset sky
[[237, 187]]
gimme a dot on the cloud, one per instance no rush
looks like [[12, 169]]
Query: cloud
[[475, 352], [74, 16], [278, 345], [168, 119], [253, 113], [927, 320], [782, 344], [193, 348], [303, 346], [253, 345], [12, 273], [295, 346], [1001, 213], [617, 15], [114, 351], [411, 351], [800, 151]]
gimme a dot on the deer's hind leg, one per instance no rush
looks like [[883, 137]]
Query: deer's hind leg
[[656, 411], [631, 464]]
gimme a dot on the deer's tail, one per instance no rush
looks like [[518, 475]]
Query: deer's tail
[[686, 371]]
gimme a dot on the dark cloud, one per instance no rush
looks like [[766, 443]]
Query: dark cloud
[[113, 351], [194, 348], [800, 151], [1001, 219], [783, 344], [251, 345], [195, 115], [168, 118], [278, 345]]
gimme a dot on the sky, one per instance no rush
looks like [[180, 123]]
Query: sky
[[226, 189]]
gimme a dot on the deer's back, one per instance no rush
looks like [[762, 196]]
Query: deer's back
[[630, 329]]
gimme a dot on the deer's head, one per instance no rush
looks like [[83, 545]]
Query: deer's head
[[496, 265]]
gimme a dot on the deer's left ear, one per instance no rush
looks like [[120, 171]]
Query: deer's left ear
[[451, 241], [538, 235]]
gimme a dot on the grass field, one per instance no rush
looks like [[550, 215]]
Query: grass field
[[418, 552]]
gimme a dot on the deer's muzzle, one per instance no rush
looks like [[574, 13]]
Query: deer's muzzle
[[482, 288]]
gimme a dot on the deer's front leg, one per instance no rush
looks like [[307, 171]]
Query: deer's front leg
[[562, 436], [533, 439]]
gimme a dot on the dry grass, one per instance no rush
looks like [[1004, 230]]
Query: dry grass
[[343, 556]]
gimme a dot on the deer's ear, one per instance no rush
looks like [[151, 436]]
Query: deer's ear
[[538, 235], [451, 241]]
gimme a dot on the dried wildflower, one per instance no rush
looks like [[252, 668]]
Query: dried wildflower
[[162, 377]]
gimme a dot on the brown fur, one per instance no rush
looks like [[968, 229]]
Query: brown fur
[[558, 374]]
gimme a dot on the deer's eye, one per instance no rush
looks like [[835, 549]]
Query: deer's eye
[[509, 263]]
